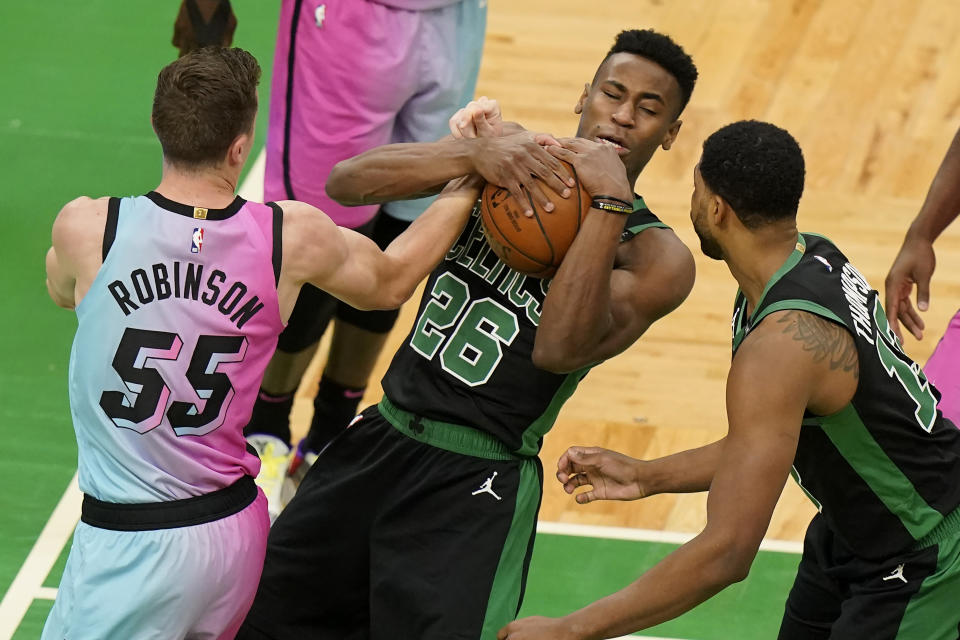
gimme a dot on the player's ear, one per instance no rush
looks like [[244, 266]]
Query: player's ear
[[578, 108], [239, 149], [671, 135], [720, 210]]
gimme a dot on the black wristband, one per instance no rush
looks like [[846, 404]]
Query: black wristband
[[611, 204]]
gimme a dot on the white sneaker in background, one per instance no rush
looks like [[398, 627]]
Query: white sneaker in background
[[274, 459]]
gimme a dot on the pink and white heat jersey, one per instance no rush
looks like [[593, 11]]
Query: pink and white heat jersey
[[173, 339]]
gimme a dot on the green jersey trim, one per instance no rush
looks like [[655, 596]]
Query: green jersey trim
[[800, 305], [444, 435], [789, 264], [650, 225], [857, 446], [538, 428], [739, 332]]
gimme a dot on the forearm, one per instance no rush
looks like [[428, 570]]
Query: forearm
[[942, 204], [685, 472], [576, 311], [418, 250], [399, 171], [687, 577]]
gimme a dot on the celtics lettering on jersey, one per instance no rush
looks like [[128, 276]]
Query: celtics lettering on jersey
[[469, 334]]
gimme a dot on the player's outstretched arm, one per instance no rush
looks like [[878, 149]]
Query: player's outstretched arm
[[76, 251], [415, 169], [605, 295], [916, 260], [768, 388], [351, 267], [615, 476]]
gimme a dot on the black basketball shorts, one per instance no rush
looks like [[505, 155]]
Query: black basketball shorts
[[405, 528]]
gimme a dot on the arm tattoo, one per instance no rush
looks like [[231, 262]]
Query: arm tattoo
[[824, 339]]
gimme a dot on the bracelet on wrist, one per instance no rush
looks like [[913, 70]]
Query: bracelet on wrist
[[612, 205]]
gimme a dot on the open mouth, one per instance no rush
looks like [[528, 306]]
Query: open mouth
[[614, 142]]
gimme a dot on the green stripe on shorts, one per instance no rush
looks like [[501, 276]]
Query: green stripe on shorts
[[933, 613], [505, 593]]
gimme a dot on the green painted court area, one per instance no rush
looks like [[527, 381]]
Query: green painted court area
[[74, 119]]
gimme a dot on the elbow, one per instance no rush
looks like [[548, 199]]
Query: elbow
[[543, 359], [60, 300], [554, 358], [396, 299], [391, 297], [338, 185], [732, 564]]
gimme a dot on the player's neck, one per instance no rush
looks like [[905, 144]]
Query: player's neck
[[753, 258], [213, 188]]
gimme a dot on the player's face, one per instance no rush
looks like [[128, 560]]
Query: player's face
[[633, 105], [700, 203]]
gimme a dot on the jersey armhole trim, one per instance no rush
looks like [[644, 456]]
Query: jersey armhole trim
[[650, 225], [277, 240], [110, 229], [800, 305]]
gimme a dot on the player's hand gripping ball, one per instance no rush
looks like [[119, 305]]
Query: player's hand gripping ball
[[532, 245]]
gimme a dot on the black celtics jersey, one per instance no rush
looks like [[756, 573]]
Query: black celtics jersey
[[468, 361], [885, 470]]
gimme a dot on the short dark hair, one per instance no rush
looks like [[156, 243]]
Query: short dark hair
[[203, 101], [757, 168], [661, 49]]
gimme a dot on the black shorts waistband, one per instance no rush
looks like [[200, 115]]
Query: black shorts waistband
[[170, 515]]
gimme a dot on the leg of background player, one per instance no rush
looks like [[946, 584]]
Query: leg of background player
[[358, 339], [269, 428], [353, 354]]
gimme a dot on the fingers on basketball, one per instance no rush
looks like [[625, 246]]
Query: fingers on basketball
[[533, 245]]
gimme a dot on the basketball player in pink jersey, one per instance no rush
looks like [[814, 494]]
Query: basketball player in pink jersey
[[180, 295]]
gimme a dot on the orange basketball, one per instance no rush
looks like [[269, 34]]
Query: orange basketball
[[534, 245]]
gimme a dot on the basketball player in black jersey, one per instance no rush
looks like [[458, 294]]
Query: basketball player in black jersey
[[418, 521], [818, 389]]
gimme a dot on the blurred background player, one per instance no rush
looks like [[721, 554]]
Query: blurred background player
[[914, 265], [180, 296], [422, 513], [203, 23], [347, 77]]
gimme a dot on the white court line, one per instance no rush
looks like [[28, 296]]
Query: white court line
[[29, 581], [252, 186], [648, 535], [46, 593]]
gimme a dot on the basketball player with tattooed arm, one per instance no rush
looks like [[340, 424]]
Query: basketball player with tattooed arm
[[818, 389], [418, 521], [180, 295]]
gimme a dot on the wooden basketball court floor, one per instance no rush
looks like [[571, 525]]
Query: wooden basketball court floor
[[866, 86]]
